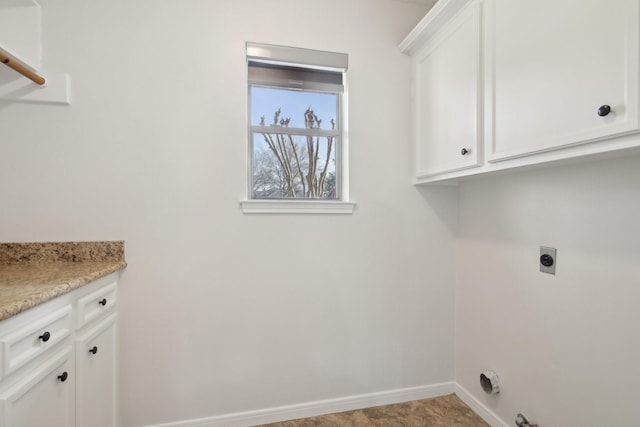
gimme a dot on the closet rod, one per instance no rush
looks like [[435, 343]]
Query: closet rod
[[16, 65]]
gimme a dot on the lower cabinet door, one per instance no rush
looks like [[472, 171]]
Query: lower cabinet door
[[96, 375], [43, 396]]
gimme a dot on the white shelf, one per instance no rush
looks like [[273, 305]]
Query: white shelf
[[20, 38]]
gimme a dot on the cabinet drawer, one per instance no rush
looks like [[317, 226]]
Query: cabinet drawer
[[92, 306], [29, 341]]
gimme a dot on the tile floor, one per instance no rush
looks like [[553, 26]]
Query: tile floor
[[437, 412]]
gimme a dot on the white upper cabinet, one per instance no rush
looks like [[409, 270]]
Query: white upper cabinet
[[553, 67], [447, 100], [447, 93], [520, 83]]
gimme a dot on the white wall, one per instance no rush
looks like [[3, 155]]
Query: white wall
[[565, 346], [222, 312]]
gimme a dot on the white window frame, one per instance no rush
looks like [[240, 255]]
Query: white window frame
[[313, 59]]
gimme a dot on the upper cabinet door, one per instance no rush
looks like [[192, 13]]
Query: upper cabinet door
[[559, 73], [447, 97]]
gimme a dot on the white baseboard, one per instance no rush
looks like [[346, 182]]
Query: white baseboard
[[478, 407], [322, 407]]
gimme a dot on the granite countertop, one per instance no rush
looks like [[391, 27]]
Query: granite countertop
[[33, 273]]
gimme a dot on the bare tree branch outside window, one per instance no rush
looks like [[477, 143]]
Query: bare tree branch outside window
[[295, 164]]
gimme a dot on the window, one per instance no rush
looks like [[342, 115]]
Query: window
[[297, 143]]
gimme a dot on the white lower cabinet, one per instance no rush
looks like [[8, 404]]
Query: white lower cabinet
[[43, 396], [56, 374], [96, 376]]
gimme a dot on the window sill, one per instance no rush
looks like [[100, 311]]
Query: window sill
[[297, 207]]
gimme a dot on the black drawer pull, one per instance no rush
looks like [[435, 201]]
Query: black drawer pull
[[45, 337], [103, 302], [63, 377], [93, 350]]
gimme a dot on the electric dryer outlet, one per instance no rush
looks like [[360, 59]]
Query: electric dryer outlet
[[548, 260]]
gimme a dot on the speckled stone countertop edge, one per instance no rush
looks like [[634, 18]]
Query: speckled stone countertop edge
[[32, 295], [46, 252], [33, 273]]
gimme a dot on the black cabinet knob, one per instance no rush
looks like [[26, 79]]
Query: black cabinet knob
[[93, 350], [45, 337], [103, 302], [464, 151], [604, 110], [63, 377]]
